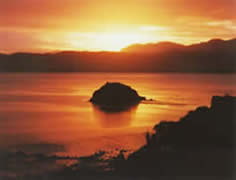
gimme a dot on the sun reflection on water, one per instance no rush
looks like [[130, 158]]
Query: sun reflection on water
[[114, 119]]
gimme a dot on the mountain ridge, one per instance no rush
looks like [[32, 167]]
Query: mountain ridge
[[214, 56], [172, 45]]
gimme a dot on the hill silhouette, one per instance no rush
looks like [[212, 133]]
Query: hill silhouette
[[214, 56], [200, 144], [211, 45], [154, 47]]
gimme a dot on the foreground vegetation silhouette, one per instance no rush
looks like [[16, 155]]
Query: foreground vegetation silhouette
[[200, 144]]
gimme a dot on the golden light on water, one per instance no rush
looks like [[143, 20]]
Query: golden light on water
[[58, 110]]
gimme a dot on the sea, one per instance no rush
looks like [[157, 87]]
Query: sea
[[50, 113]]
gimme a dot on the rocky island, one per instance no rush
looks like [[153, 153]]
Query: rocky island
[[115, 96]]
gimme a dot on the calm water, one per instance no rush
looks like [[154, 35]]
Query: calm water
[[50, 113]]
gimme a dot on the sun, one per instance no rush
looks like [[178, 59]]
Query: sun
[[115, 42], [107, 41], [115, 38]]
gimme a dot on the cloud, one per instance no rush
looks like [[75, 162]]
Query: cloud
[[223, 24], [32, 41], [81, 13], [27, 25]]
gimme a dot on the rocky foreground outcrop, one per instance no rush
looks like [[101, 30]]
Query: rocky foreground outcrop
[[202, 143], [115, 96]]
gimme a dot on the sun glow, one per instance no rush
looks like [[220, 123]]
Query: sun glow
[[112, 39], [108, 41], [106, 25]]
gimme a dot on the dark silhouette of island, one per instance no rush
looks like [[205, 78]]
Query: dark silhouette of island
[[115, 97], [214, 56], [200, 144]]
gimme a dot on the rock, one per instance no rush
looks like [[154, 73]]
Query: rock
[[225, 102], [205, 126], [204, 137], [116, 96]]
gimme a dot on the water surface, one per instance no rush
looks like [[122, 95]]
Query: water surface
[[50, 113]]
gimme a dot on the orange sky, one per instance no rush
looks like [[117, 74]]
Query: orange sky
[[48, 25]]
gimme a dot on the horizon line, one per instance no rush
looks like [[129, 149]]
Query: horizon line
[[110, 51]]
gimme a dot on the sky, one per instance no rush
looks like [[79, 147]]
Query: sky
[[110, 25]]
